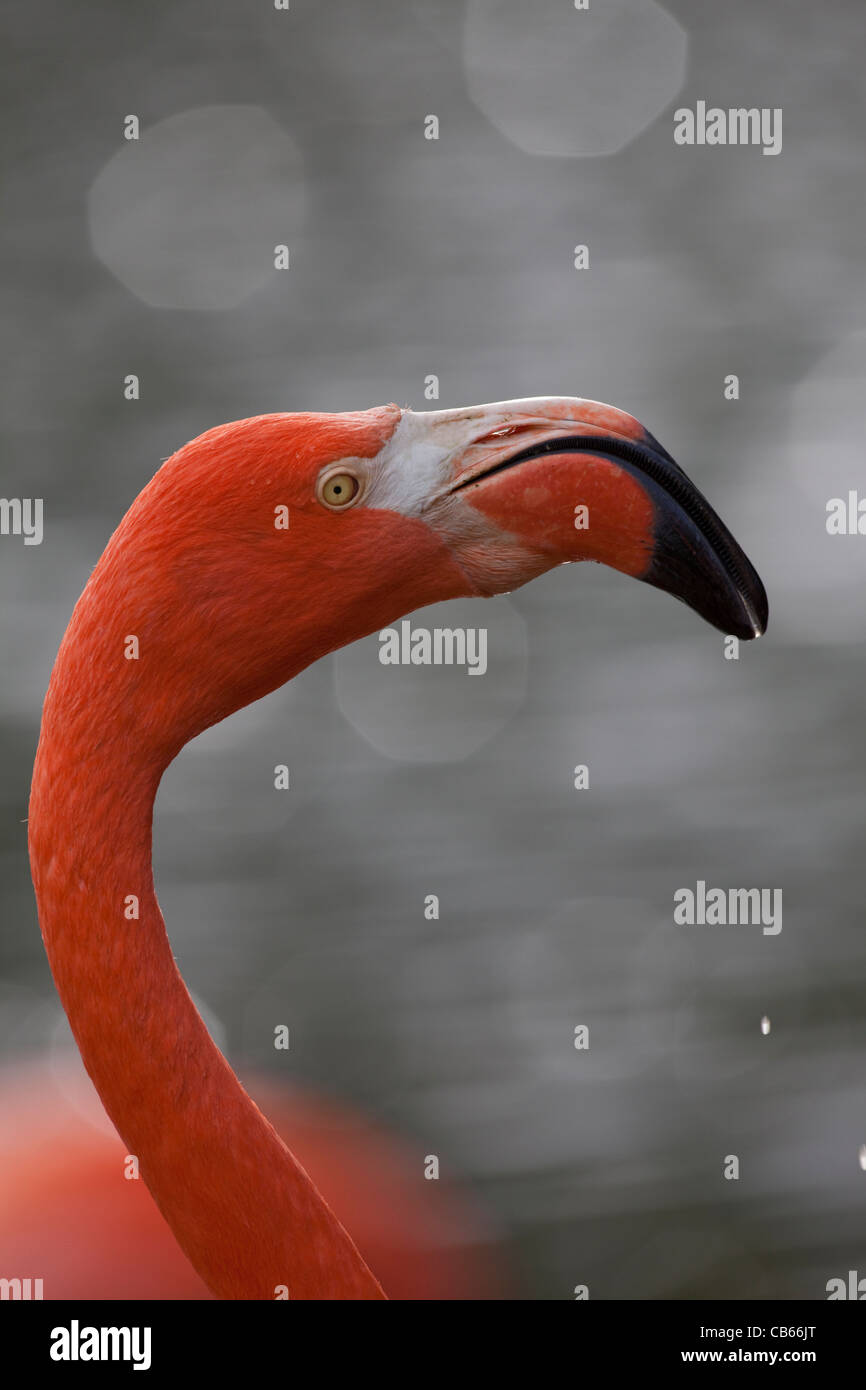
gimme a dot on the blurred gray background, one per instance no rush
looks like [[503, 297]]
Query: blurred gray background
[[454, 257]]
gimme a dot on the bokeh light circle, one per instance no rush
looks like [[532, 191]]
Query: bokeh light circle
[[188, 215]]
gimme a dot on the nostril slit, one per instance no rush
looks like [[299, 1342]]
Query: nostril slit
[[506, 432]]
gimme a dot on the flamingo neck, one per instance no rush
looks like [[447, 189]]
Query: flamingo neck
[[241, 1207]]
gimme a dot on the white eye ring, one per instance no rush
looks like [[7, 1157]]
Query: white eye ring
[[339, 488]]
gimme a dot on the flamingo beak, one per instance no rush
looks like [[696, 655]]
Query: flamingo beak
[[559, 479]]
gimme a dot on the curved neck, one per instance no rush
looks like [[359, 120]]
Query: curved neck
[[243, 1210]]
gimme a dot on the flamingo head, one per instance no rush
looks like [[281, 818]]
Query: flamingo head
[[277, 539], [483, 499]]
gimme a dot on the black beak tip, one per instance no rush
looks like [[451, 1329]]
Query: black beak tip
[[696, 558], [759, 609], [749, 628], [745, 600], [719, 583]]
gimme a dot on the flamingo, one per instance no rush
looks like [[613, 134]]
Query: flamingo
[[254, 550]]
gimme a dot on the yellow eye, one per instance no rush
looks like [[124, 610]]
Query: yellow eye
[[338, 490]]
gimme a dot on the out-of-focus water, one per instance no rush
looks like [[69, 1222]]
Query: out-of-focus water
[[454, 257]]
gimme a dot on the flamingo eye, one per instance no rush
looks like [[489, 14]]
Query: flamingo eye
[[338, 490]]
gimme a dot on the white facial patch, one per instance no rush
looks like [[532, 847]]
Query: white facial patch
[[410, 469]]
